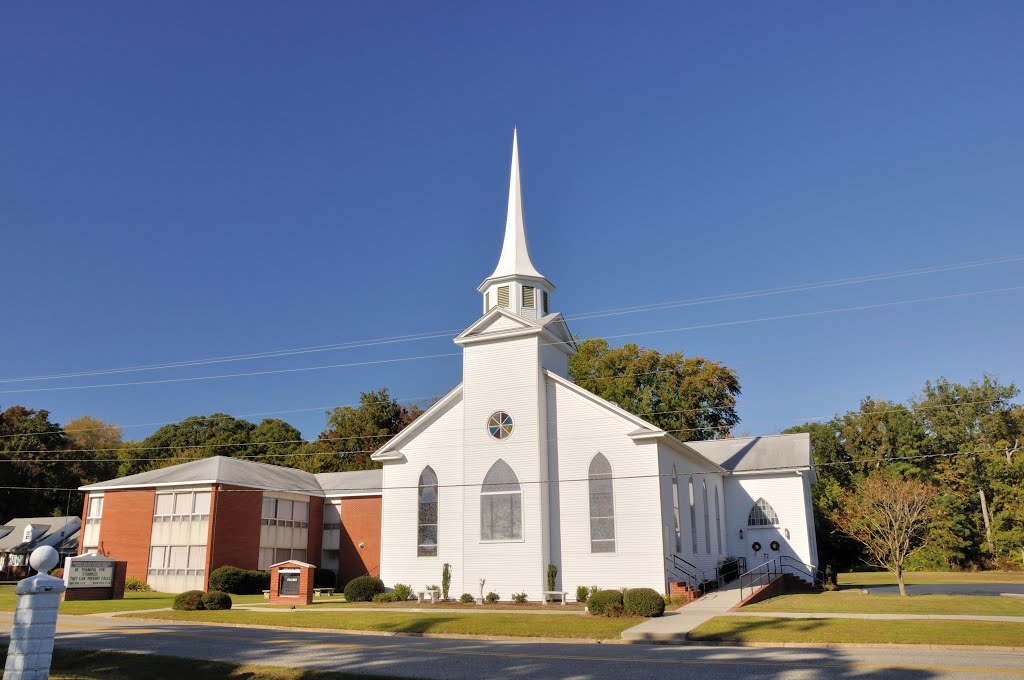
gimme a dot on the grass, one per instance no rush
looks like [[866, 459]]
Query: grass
[[854, 603], [885, 578], [761, 629], [131, 601], [78, 664], [441, 622]]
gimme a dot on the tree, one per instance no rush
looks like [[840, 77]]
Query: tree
[[353, 434], [889, 516], [195, 437], [27, 440], [90, 437], [276, 442], [693, 398]]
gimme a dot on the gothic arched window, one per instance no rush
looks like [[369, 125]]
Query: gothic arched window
[[602, 506], [426, 537], [762, 515], [501, 505]]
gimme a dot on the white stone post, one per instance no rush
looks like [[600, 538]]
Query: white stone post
[[35, 620]]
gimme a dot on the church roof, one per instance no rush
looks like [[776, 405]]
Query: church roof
[[247, 473], [751, 454], [515, 255]]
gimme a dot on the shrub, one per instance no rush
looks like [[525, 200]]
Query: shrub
[[216, 599], [403, 591], [492, 597], [385, 597], [614, 611], [467, 598], [643, 602], [325, 578], [582, 593], [239, 581], [59, 573], [363, 588], [601, 599], [552, 575], [189, 601], [729, 569], [136, 585], [519, 598], [446, 580]]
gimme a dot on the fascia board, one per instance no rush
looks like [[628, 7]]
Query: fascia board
[[201, 482], [425, 419], [540, 280]]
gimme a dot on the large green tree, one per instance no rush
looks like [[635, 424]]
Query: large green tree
[[691, 397], [27, 440]]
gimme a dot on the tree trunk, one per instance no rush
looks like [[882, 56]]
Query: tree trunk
[[899, 579], [984, 514]]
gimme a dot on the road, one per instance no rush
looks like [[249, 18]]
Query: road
[[951, 589], [477, 659]]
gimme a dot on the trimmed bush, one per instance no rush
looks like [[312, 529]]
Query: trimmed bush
[[601, 599], [492, 597], [467, 598], [582, 593], [403, 591], [519, 598], [136, 585], [729, 569], [385, 597], [325, 578], [643, 602], [363, 588], [216, 599], [613, 611], [239, 581], [189, 601]]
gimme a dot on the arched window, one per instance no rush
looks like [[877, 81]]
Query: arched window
[[426, 537], [675, 511], [718, 520], [707, 517], [501, 505], [693, 516], [602, 506], [762, 515]]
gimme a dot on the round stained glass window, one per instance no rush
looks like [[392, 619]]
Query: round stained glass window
[[500, 425]]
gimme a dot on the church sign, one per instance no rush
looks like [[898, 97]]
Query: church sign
[[89, 571]]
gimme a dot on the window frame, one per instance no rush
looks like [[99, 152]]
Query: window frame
[[423, 549], [513, 494], [592, 479], [766, 511]]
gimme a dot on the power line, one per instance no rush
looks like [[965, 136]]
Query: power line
[[451, 354], [779, 468], [582, 316]]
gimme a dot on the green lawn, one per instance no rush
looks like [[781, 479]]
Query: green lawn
[[130, 601], [885, 578], [761, 629], [443, 622], [77, 664], [851, 602]]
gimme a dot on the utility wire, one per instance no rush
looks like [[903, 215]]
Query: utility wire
[[778, 468], [578, 317], [563, 342]]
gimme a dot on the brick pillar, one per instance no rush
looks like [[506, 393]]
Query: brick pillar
[[35, 620]]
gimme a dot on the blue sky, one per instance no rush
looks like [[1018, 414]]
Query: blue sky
[[189, 180]]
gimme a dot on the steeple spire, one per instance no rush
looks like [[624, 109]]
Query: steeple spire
[[516, 285], [515, 255]]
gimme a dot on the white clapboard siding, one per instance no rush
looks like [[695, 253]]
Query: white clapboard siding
[[788, 494]]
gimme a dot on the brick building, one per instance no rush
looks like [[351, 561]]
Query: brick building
[[175, 525]]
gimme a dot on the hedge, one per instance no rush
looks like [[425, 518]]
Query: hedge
[[643, 602], [363, 588], [325, 578], [597, 602], [189, 601], [216, 599], [239, 581]]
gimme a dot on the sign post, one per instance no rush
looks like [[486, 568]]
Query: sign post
[[35, 620], [93, 577]]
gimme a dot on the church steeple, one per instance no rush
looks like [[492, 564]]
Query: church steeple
[[516, 284]]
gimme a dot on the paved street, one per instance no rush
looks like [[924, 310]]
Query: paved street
[[445, 658], [951, 589]]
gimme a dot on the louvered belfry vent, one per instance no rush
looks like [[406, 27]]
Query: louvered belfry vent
[[503, 296], [487, 301], [545, 301], [528, 297]]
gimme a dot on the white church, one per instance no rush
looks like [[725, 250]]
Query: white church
[[518, 468]]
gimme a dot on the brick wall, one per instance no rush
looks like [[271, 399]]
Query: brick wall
[[81, 532], [316, 534], [360, 523], [305, 595], [235, 528], [126, 528]]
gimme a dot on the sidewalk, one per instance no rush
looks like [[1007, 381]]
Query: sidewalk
[[674, 626]]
